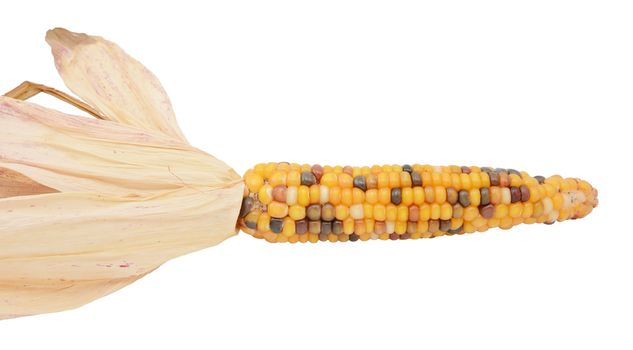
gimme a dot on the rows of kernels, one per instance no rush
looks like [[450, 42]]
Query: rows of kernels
[[302, 203]]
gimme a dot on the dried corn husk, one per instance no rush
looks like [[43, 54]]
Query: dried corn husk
[[88, 206]]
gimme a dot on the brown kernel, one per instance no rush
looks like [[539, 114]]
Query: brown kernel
[[371, 181], [504, 179], [513, 171], [434, 226], [348, 170], [405, 235], [326, 227], [323, 237], [279, 193], [314, 226], [412, 227], [393, 236], [485, 196], [540, 179], [525, 193], [487, 211], [328, 212], [317, 170], [451, 195], [414, 213], [458, 211], [465, 170], [301, 227], [380, 227], [314, 212], [515, 194], [445, 225], [494, 178]]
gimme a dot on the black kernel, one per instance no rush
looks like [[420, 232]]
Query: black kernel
[[513, 171], [396, 196], [308, 178], [485, 196], [407, 168], [276, 225], [416, 178], [360, 182], [540, 179], [445, 225], [247, 205], [353, 237]]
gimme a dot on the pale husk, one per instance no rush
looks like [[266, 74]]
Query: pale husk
[[93, 205]]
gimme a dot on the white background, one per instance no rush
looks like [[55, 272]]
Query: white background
[[542, 86]]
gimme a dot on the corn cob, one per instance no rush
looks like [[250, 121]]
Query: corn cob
[[301, 203]]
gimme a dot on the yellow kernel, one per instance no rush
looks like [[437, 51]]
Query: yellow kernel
[[475, 180], [253, 181], [485, 179], [469, 227], [403, 213], [479, 222], [348, 226], [297, 212], [535, 194], [359, 227], [394, 179], [347, 198], [418, 195], [501, 210], [425, 212], [400, 227], [558, 201], [384, 196], [465, 180], [423, 226], [436, 178], [435, 211], [456, 223], [277, 178], [341, 212], [345, 180], [315, 194], [470, 213], [475, 197], [369, 225], [368, 211], [528, 210], [440, 194], [392, 212], [506, 223], [380, 212], [371, 196], [269, 170], [493, 222], [259, 169], [383, 180], [329, 179], [329, 169], [407, 196], [516, 209], [358, 196], [446, 211], [515, 180], [293, 178], [303, 196], [456, 182], [426, 178], [335, 195], [446, 179], [277, 209], [265, 194], [263, 223], [429, 194], [283, 167], [289, 227], [405, 179]]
